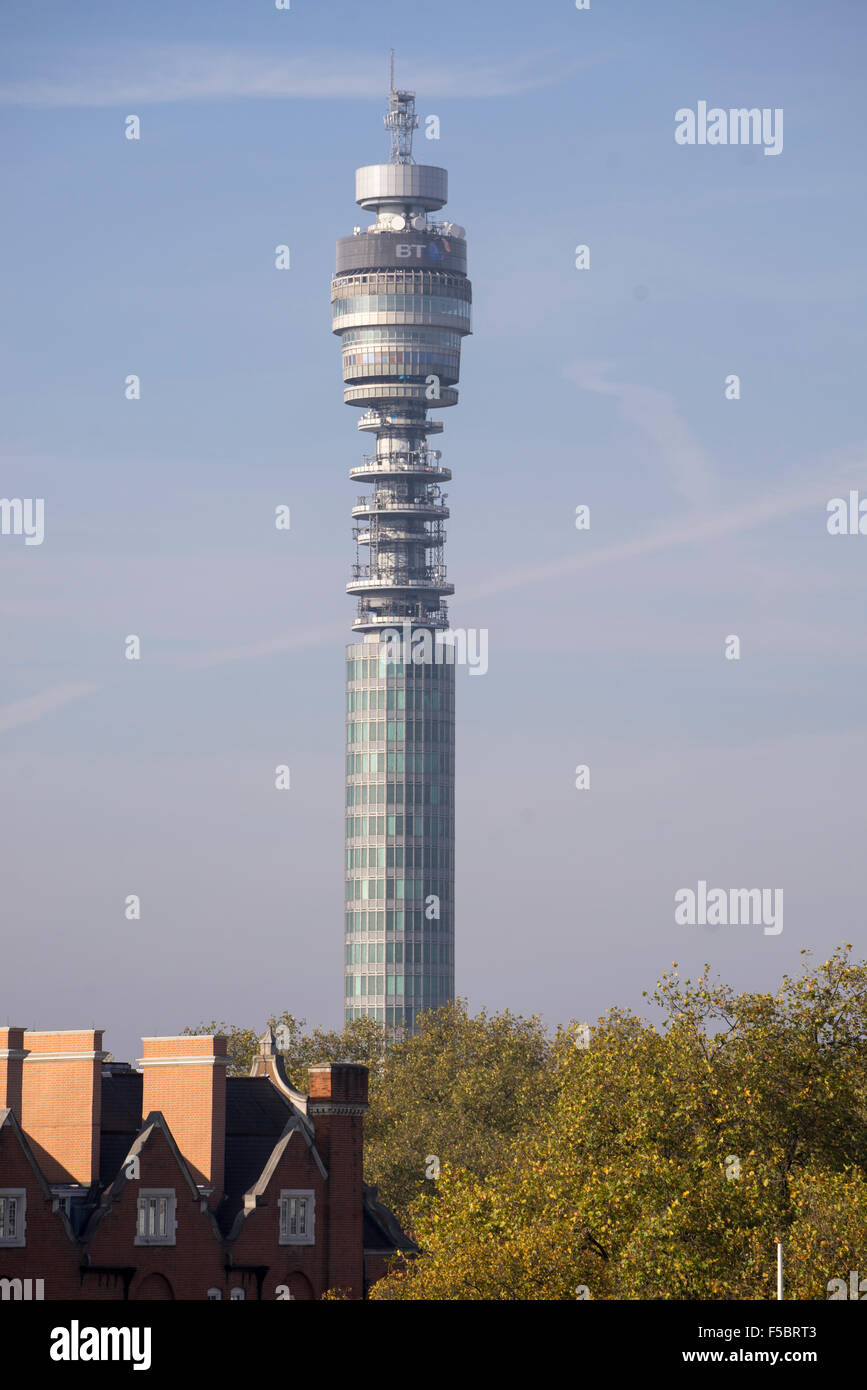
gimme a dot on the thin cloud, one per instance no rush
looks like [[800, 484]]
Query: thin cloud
[[685, 531], [196, 72], [36, 706], [687, 464]]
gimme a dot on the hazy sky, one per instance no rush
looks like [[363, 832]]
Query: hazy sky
[[603, 386]]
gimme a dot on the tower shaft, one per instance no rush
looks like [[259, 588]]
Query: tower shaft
[[401, 307]]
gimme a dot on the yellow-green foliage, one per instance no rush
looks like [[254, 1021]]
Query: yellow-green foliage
[[658, 1161], [671, 1160]]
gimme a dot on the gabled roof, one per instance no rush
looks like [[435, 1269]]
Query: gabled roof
[[244, 1202], [258, 1108], [263, 1111], [255, 1107], [10, 1123], [155, 1121], [256, 1116], [264, 1114]]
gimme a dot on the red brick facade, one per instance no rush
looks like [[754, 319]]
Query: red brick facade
[[166, 1181]]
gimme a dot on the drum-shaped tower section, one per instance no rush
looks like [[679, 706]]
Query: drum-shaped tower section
[[401, 306]]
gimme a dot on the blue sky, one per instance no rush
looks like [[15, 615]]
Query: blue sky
[[603, 387]]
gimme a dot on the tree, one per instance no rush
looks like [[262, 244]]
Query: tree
[[362, 1040], [459, 1088], [671, 1160], [457, 1091]]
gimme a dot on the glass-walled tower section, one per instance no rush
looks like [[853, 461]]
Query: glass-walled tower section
[[401, 306], [399, 941]]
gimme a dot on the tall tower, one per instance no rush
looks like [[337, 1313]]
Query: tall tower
[[401, 305]]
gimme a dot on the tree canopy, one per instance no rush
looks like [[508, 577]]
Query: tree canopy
[[637, 1159]]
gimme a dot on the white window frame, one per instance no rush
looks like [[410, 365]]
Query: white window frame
[[215, 1295], [308, 1237], [18, 1195], [62, 1195], [237, 1294], [148, 1194]]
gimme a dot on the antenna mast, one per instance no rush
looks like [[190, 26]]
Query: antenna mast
[[401, 121]]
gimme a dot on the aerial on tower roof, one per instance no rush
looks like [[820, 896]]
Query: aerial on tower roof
[[401, 121]]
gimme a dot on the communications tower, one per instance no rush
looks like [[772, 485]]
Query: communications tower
[[401, 305]]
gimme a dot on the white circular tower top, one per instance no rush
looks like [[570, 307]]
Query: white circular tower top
[[422, 186]]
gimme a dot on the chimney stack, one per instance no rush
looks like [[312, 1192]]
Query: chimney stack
[[61, 1100], [338, 1101], [185, 1079], [12, 1056]]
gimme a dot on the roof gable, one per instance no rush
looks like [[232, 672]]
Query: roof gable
[[10, 1128], [295, 1131], [154, 1127]]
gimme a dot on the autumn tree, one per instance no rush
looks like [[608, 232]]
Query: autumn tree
[[461, 1086], [362, 1040], [672, 1158], [458, 1090]]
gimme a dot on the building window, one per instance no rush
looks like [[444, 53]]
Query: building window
[[156, 1217], [13, 1204], [297, 1217], [236, 1295], [214, 1295]]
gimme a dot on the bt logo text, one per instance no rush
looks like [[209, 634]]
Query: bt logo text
[[738, 126], [23, 516]]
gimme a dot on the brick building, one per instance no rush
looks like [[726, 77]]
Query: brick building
[[174, 1180]]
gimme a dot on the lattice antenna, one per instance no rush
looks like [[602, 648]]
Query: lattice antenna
[[401, 121]]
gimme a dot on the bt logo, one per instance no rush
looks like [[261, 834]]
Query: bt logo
[[406, 250]]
